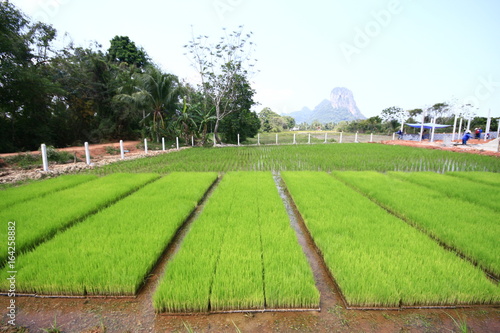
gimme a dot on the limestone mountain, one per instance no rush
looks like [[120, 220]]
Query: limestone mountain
[[340, 107]]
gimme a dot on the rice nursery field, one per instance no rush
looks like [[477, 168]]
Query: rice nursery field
[[41, 218], [472, 230], [113, 251], [240, 254], [376, 258], [314, 157], [389, 236]]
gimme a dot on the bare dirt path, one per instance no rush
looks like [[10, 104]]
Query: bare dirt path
[[479, 147], [100, 155]]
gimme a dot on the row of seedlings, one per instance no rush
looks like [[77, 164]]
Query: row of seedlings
[[490, 178], [308, 157], [464, 189], [16, 195], [377, 259], [240, 254], [470, 229], [112, 252], [39, 219]]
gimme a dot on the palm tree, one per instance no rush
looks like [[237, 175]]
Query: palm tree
[[156, 94], [184, 121]]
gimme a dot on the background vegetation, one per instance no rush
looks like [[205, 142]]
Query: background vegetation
[[75, 94]]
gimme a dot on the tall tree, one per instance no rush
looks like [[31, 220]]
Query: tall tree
[[157, 94], [122, 49], [221, 67], [243, 122], [26, 89]]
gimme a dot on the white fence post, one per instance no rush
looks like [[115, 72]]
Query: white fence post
[[393, 136], [459, 132], [356, 137], [45, 160], [122, 152], [238, 139], [454, 128], [294, 142], [87, 153], [258, 139], [433, 122], [276, 138], [340, 139], [309, 139], [326, 137], [177, 142], [214, 140], [192, 140], [146, 146], [371, 137], [488, 125], [163, 144]]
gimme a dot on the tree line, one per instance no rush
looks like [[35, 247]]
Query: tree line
[[387, 122], [68, 96]]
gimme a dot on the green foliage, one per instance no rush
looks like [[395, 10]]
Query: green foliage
[[59, 157], [377, 259], [273, 122], [26, 89], [123, 50], [112, 150], [239, 257], [112, 252], [24, 161], [245, 123], [224, 68]]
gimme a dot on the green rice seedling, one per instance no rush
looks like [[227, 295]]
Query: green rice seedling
[[376, 258], [490, 178], [470, 229], [288, 279], [317, 157], [39, 219], [113, 251], [16, 195], [240, 254], [479, 193]]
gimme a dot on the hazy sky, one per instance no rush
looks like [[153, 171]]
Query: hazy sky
[[406, 53]]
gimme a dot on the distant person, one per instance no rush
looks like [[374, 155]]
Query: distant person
[[477, 133], [400, 134], [466, 137], [480, 132]]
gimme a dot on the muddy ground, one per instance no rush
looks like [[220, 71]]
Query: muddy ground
[[37, 314]]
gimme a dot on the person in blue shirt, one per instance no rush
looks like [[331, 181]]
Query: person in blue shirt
[[466, 137]]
